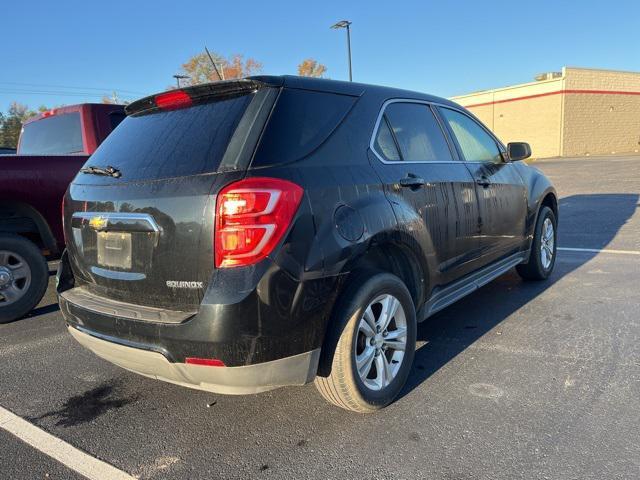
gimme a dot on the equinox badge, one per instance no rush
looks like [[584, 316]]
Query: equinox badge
[[177, 284]]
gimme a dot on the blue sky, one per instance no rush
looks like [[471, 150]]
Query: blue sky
[[441, 47]]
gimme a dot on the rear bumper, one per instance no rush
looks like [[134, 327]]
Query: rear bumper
[[267, 333], [237, 322], [294, 370]]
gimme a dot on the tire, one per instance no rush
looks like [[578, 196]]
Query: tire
[[24, 276], [344, 386], [539, 267]]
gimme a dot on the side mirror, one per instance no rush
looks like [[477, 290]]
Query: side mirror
[[518, 151]]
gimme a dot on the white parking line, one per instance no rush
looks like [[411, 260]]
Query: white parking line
[[600, 250], [78, 461]]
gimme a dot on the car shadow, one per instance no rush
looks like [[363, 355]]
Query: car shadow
[[52, 307], [36, 312], [455, 328]]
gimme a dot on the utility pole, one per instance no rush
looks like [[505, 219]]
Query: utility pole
[[346, 24], [178, 77]]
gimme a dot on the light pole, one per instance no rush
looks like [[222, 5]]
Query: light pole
[[179, 77], [345, 24]]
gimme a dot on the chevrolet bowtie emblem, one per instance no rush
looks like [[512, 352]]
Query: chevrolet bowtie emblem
[[98, 223]]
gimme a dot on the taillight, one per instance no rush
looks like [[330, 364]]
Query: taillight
[[207, 362], [173, 100], [252, 215]]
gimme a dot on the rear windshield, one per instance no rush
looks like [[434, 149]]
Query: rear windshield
[[301, 121], [174, 143], [60, 134]]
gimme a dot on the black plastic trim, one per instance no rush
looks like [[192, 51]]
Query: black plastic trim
[[82, 298], [126, 343], [199, 94], [463, 287]]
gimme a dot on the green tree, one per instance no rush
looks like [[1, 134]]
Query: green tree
[[2, 143], [11, 124]]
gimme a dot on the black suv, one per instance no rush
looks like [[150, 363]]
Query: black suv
[[244, 235]]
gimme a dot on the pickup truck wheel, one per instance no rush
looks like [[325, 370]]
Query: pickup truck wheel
[[543, 248], [375, 322], [24, 276]]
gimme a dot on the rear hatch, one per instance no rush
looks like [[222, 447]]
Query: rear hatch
[[139, 222]]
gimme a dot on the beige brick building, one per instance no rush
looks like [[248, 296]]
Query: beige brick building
[[578, 111]]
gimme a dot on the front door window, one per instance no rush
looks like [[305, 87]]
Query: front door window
[[475, 143]]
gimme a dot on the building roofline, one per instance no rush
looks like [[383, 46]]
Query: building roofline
[[511, 87], [569, 67], [538, 82]]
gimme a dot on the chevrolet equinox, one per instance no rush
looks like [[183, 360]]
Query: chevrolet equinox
[[245, 235]]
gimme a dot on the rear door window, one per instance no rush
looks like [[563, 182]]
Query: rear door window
[[385, 144], [165, 144], [56, 135], [475, 143], [417, 132], [301, 121]]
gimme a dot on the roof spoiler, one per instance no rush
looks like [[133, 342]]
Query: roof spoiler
[[197, 94]]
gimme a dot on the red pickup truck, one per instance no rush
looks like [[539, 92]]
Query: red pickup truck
[[52, 148]]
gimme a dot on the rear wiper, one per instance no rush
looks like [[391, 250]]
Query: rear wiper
[[108, 171]]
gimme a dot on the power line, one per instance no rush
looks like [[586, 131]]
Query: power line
[[68, 94], [58, 93], [19, 84]]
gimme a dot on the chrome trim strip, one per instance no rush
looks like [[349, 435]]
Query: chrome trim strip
[[377, 126], [122, 217], [427, 103], [116, 275]]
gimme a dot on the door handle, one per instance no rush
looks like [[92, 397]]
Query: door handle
[[412, 181], [484, 181]]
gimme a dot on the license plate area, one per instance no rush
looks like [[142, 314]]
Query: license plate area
[[114, 249]]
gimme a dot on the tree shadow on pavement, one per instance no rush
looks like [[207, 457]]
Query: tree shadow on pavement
[[597, 217]]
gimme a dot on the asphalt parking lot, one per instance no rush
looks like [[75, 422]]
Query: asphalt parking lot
[[518, 380]]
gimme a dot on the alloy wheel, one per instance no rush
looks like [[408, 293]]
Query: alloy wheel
[[15, 277], [381, 342], [547, 243]]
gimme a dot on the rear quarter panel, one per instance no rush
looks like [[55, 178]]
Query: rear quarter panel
[[344, 194], [344, 210]]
